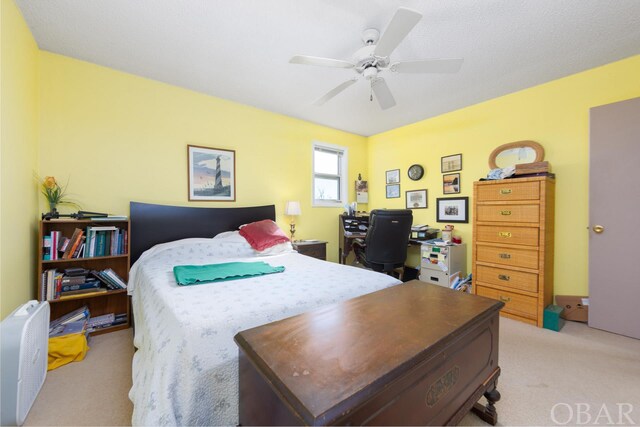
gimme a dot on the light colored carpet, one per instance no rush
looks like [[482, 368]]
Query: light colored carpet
[[540, 369], [91, 392]]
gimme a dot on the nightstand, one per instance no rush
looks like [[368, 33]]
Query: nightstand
[[312, 248]]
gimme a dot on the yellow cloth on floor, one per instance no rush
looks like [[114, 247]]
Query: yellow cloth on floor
[[67, 349]]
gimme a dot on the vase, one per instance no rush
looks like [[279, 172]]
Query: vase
[[52, 207]]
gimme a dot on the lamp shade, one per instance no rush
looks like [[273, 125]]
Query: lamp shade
[[292, 208]]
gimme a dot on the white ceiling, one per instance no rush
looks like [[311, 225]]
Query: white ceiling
[[239, 49]]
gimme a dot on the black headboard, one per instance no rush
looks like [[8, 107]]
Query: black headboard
[[154, 224]]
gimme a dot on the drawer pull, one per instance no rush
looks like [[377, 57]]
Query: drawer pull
[[505, 299], [505, 213], [504, 277], [505, 234], [505, 191], [505, 256]]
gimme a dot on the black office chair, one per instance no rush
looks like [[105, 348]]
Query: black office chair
[[385, 247]]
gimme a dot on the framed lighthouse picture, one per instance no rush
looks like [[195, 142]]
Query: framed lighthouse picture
[[212, 174]]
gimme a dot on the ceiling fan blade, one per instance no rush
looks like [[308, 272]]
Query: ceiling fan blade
[[382, 93], [428, 66], [333, 92], [321, 62], [401, 24]]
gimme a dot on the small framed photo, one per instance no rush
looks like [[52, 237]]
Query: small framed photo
[[416, 199], [452, 209], [451, 163], [393, 191], [451, 183], [362, 192], [393, 176], [211, 174]]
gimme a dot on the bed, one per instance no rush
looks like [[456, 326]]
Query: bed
[[185, 369]]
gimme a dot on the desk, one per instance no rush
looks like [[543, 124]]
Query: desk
[[346, 238], [346, 241]]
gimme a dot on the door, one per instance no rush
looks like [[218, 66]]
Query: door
[[614, 215]]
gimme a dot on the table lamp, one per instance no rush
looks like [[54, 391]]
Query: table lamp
[[292, 209]]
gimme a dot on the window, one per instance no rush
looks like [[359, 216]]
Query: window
[[329, 175]]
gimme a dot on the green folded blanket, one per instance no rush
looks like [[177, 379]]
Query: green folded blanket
[[196, 274]]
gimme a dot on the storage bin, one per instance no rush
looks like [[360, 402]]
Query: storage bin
[[552, 319]]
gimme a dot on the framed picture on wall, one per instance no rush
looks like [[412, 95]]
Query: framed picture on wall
[[362, 191], [451, 183], [211, 174], [393, 176], [393, 191], [451, 163], [452, 209], [416, 199]]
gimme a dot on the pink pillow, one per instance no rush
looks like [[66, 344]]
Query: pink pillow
[[263, 234]]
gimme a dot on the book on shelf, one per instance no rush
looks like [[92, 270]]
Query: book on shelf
[[75, 271], [111, 218], [75, 241], [71, 323], [56, 284], [105, 241], [77, 314], [55, 237], [111, 280], [46, 248], [106, 321], [77, 327], [63, 243], [82, 293], [73, 280], [93, 284], [76, 251], [117, 279]]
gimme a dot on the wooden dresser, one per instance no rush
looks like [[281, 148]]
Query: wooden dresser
[[513, 244]]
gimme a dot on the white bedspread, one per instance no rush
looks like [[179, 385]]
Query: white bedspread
[[185, 371]]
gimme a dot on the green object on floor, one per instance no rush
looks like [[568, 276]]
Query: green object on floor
[[552, 319], [197, 274]]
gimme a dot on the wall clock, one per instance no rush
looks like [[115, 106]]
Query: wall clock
[[415, 172]]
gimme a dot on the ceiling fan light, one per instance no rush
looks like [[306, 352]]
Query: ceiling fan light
[[370, 73]]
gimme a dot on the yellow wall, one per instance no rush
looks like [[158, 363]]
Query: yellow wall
[[117, 137], [555, 114], [18, 158]]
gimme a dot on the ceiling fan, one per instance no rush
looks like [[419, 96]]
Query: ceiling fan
[[374, 58]]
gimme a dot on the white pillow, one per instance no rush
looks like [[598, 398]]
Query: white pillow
[[231, 237], [280, 248], [234, 237]]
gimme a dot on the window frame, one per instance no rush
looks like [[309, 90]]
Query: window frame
[[342, 175]]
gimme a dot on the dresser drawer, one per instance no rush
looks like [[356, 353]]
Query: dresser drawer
[[507, 234], [508, 278], [508, 191], [520, 305], [527, 258], [508, 213]]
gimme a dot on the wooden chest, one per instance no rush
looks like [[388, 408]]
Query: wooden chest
[[412, 354], [513, 244]]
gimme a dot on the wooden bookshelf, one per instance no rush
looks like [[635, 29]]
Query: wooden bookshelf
[[112, 301]]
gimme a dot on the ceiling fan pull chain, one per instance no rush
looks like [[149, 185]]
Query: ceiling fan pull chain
[[371, 92]]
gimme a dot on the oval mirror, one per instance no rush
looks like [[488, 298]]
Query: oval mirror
[[515, 153]]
